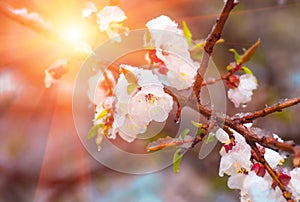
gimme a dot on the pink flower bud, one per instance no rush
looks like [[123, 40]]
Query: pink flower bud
[[259, 169]]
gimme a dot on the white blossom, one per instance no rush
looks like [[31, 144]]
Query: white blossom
[[163, 23], [242, 94], [273, 157], [96, 92], [110, 20], [172, 48], [237, 158], [222, 136], [89, 9], [136, 109], [255, 188], [294, 184], [54, 72]]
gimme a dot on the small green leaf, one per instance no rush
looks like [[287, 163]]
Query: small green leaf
[[247, 70], [220, 41], [229, 67], [102, 114], [197, 50], [236, 55], [200, 131], [210, 138], [184, 133], [187, 33], [196, 124], [177, 159], [93, 131], [132, 87]]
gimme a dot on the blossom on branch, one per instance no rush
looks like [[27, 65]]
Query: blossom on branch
[[294, 184], [171, 53], [110, 20], [255, 188], [236, 159], [243, 93], [140, 100], [55, 71]]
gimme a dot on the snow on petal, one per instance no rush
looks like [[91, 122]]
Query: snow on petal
[[243, 93], [222, 136], [163, 23], [273, 157]]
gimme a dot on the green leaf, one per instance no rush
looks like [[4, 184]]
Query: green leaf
[[196, 124], [102, 114], [210, 138], [236, 55], [184, 133], [187, 33], [229, 67], [93, 131], [197, 50], [177, 160], [200, 131], [132, 87], [247, 70]]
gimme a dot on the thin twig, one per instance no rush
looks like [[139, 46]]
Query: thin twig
[[269, 110], [210, 42], [223, 77], [175, 98]]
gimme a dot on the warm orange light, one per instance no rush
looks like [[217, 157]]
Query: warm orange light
[[72, 34]]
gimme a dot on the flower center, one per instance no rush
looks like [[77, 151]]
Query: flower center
[[150, 98]]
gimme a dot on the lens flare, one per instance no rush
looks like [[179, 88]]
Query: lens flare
[[72, 34]]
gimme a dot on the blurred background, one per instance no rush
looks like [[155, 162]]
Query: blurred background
[[41, 156]]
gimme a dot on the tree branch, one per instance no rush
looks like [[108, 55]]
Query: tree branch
[[269, 142], [210, 42], [35, 25], [178, 113], [285, 193], [39, 28], [269, 110]]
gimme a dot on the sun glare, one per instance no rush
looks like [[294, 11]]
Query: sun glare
[[72, 34]]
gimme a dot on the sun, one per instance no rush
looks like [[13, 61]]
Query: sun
[[72, 34]]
